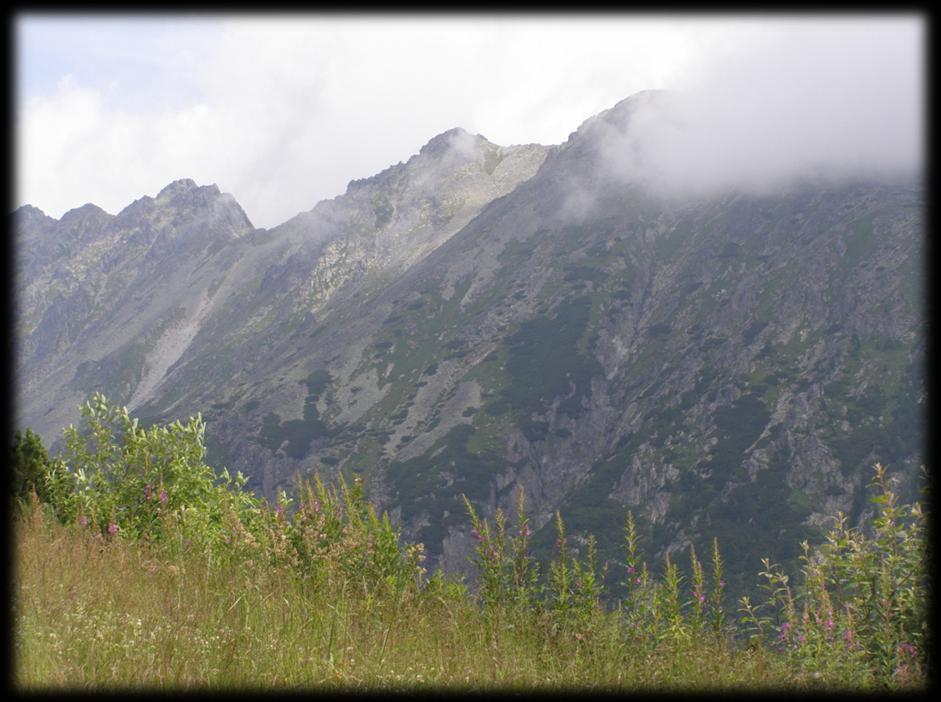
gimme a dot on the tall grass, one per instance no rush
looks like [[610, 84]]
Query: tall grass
[[184, 580]]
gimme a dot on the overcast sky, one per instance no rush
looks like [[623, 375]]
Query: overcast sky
[[283, 111]]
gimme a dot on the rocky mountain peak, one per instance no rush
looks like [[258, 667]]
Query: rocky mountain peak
[[179, 187], [186, 192], [86, 212], [29, 211], [618, 114], [453, 139], [28, 214]]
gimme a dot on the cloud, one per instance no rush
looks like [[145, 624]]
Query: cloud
[[284, 111], [832, 100]]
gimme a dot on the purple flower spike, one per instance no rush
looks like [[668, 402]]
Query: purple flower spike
[[163, 496], [112, 528], [630, 569]]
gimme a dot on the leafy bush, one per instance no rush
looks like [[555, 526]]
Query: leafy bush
[[118, 477], [29, 461], [860, 610]]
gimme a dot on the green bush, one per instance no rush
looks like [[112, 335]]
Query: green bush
[[859, 611], [29, 461], [120, 478]]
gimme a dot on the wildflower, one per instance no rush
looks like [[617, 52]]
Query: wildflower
[[112, 528], [637, 581], [828, 624], [702, 597], [784, 629], [163, 496], [148, 491], [477, 535], [83, 520], [630, 569], [279, 510], [848, 637], [721, 583], [524, 530]]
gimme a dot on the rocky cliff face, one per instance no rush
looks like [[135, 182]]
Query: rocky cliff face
[[99, 296], [484, 318]]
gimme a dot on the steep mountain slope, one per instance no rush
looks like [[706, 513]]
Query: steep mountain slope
[[114, 303], [102, 300], [483, 318]]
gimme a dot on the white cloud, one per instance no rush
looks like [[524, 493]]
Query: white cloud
[[832, 100], [284, 111]]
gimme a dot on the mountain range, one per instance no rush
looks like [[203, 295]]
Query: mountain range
[[485, 318]]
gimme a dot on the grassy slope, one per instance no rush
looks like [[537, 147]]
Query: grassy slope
[[112, 615], [88, 614]]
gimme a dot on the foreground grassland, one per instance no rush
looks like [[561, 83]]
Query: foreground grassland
[[137, 567], [111, 615]]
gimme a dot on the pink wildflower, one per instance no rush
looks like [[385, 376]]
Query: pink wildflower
[[83, 520], [477, 535], [148, 491], [828, 624], [279, 510], [163, 496], [630, 569], [112, 528], [637, 581], [784, 629], [721, 583], [848, 637]]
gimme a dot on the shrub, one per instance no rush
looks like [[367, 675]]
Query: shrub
[[860, 611], [29, 461]]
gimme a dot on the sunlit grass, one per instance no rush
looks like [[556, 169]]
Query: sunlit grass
[[111, 615]]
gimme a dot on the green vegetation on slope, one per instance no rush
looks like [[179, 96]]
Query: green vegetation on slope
[[544, 363], [298, 432]]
